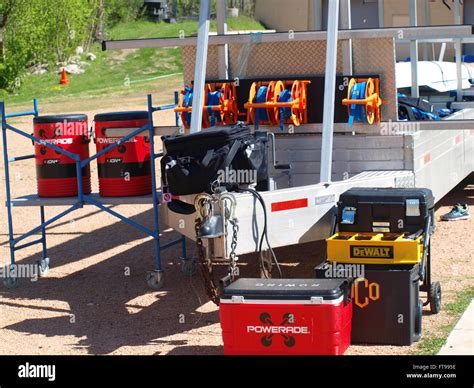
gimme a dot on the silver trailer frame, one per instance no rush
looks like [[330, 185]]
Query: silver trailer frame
[[437, 154]]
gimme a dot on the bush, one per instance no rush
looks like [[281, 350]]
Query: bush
[[123, 10], [48, 31], [42, 31]]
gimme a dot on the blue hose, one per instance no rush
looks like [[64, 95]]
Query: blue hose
[[213, 98], [358, 112], [285, 113], [188, 101], [261, 113]]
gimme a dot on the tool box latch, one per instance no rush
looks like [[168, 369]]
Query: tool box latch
[[412, 208], [316, 300], [348, 215], [237, 299]]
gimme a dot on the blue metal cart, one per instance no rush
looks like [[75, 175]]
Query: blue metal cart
[[154, 278]]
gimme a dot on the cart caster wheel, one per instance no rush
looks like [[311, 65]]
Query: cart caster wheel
[[155, 280], [10, 282], [435, 298], [188, 266], [43, 267]]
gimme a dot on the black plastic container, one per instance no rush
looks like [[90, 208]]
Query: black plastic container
[[387, 309], [385, 209]]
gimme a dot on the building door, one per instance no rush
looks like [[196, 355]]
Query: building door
[[364, 14]]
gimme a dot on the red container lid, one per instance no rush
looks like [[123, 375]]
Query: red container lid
[[287, 289], [121, 116], [51, 119]]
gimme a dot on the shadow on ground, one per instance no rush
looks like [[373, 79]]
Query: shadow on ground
[[107, 307]]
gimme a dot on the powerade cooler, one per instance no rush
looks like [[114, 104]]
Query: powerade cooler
[[125, 170], [286, 317], [56, 173], [383, 239]]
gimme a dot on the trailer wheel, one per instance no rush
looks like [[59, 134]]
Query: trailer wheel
[[266, 264], [435, 298], [188, 266]]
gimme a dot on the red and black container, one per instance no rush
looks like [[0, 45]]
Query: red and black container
[[286, 317], [56, 173], [125, 170]]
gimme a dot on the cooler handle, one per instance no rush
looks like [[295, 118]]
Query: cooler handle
[[347, 289]]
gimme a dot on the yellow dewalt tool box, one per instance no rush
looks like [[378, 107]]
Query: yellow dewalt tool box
[[380, 240], [375, 248], [381, 226]]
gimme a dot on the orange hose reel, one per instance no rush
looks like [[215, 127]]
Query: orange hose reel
[[227, 108], [272, 104], [372, 101]]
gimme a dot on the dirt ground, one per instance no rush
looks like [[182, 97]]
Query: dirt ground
[[96, 301]]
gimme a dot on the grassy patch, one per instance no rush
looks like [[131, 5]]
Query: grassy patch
[[463, 300], [431, 345], [119, 72]]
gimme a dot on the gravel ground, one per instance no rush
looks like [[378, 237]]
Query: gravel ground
[[96, 301]]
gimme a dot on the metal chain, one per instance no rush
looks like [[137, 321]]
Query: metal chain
[[206, 267], [233, 270], [204, 207]]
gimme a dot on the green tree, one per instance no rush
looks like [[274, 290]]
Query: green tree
[[42, 31]]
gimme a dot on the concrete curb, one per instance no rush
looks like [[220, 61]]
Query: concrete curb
[[461, 339]]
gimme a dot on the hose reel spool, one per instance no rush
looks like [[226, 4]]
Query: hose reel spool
[[273, 103], [363, 100], [220, 105]]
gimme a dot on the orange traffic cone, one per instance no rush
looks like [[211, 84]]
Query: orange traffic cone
[[64, 80]]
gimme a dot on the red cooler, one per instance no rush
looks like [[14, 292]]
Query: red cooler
[[55, 172], [124, 171], [286, 317]]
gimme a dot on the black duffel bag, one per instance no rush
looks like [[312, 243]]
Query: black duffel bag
[[193, 163]]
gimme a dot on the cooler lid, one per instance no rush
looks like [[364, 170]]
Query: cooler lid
[[121, 116], [286, 289], [52, 119]]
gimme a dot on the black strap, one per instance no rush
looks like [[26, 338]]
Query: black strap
[[181, 207], [231, 155], [207, 157]]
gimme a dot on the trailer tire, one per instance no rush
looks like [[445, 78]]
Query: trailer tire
[[266, 264]]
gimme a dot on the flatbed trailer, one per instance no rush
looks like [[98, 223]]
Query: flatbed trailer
[[433, 154], [326, 157]]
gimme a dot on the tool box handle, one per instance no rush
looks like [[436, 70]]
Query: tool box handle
[[426, 242]]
